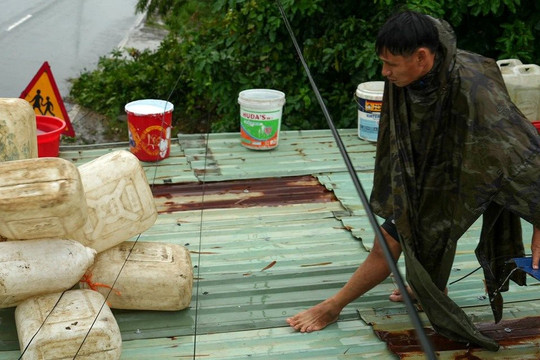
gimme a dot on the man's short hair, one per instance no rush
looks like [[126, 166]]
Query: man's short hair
[[405, 32]]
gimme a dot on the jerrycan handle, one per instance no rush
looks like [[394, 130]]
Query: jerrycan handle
[[508, 63], [527, 69]]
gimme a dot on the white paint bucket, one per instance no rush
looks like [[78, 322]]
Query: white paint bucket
[[369, 99], [260, 117]]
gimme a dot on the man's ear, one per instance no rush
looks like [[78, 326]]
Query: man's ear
[[424, 57], [421, 54]]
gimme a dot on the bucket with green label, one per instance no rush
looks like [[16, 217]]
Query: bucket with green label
[[260, 117]]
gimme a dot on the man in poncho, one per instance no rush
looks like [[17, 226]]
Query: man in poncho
[[451, 147]]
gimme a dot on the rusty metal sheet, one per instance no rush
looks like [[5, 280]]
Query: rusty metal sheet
[[240, 193], [509, 333], [518, 333]]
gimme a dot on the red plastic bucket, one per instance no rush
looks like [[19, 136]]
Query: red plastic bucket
[[536, 125], [49, 129], [149, 127]]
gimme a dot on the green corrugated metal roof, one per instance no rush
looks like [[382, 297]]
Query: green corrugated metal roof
[[240, 303]]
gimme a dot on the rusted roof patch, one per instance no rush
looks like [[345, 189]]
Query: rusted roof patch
[[240, 193], [508, 333]]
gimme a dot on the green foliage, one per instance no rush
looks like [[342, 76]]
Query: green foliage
[[218, 48], [516, 40], [120, 79]]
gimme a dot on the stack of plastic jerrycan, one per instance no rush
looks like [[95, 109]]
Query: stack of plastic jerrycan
[[54, 326], [41, 202], [119, 201], [18, 131], [523, 84], [153, 276]]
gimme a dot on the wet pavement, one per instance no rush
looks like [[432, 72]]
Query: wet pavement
[[69, 35]]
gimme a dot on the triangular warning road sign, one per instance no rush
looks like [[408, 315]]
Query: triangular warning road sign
[[42, 93]]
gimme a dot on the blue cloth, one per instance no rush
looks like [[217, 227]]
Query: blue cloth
[[525, 264]]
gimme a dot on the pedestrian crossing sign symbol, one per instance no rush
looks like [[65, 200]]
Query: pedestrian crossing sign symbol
[[42, 93]]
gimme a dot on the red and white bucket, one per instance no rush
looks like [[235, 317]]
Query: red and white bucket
[[149, 126]]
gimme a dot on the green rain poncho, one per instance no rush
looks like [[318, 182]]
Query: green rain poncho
[[452, 147]]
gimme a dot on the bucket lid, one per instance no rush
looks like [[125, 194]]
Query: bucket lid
[[371, 90], [261, 98], [148, 107]]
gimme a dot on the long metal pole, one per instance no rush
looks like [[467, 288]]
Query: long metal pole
[[426, 344]]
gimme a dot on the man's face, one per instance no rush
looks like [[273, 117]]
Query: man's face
[[401, 70]]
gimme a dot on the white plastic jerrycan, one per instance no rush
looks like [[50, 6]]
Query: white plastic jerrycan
[[156, 276], [119, 200], [523, 85], [62, 322], [18, 131], [40, 198], [36, 267]]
